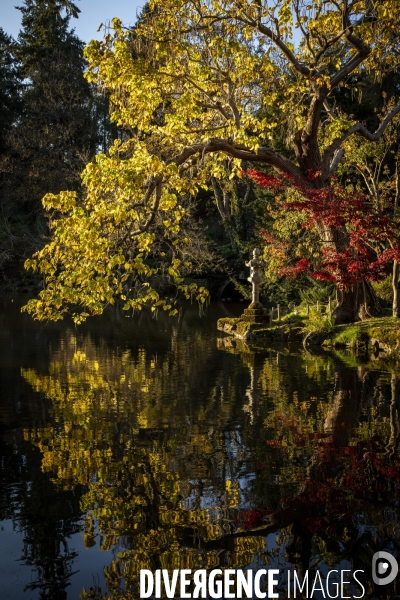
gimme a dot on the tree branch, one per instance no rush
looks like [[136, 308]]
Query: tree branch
[[157, 186], [336, 160], [329, 110], [307, 142], [232, 104], [361, 130], [276, 39], [371, 190], [186, 157], [229, 147], [349, 67], [362, 50], [217, 106], [222, 209]]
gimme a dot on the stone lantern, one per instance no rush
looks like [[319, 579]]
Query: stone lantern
[[255, 313]]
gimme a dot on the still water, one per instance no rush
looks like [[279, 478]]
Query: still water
[[135, 443]]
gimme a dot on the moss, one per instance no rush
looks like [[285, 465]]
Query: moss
[[293, 318], [386, 335], [350, 336], [384, 289], [284, 331], [257, 326], [240, 325], [384, 331], [228, 320]]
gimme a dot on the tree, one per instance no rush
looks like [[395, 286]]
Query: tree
[[55, 133], [373, 242], [10, 110], [200, 83], [10, 85], [378, 167]]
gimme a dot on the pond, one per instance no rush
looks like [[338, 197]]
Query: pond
[[142, 443]]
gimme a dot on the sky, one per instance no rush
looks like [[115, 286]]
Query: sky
[[93, 13]]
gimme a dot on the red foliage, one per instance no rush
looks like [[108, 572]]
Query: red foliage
[[302, 266], [372, 238], [249, 518]]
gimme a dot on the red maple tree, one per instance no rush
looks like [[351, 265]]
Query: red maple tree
[[373, 240]]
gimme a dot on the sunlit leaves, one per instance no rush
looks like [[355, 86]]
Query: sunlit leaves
[[190, 75]]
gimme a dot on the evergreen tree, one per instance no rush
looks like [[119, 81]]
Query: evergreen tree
[[10, 84], [57, 130], [49, 124]]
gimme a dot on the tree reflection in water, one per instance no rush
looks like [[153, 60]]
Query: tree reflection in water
[[194, 457]]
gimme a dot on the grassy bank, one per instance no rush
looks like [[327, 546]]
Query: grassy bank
[[379, 334]]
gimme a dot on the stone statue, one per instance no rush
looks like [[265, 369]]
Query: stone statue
[[255, 313], [256, 276]]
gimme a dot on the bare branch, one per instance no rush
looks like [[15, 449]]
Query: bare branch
[[232, 104], [349, 67], [372, 190], [222, 208], [362, 50], [360, 129], [336, 160], [329, 110]]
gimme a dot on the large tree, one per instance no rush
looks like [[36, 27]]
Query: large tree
[[195, 84], [378, 165], [55, 134]]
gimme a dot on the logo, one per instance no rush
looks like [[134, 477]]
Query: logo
[[384, 568]]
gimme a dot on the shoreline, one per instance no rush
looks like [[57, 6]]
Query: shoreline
[[375, 335]]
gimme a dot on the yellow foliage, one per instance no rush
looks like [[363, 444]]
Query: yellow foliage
[[195, 85]]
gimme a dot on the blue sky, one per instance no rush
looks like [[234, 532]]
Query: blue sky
[[93, 13]]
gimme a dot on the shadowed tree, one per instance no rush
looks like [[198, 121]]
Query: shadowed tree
[[56, 131], [10, 85]]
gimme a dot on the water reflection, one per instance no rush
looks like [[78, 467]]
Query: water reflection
[[172, 449]]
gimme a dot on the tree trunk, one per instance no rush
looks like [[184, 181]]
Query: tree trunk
[[396, 289], [359, 301], [356, 303]]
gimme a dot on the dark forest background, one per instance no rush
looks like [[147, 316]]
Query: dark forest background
[[52, 122]]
